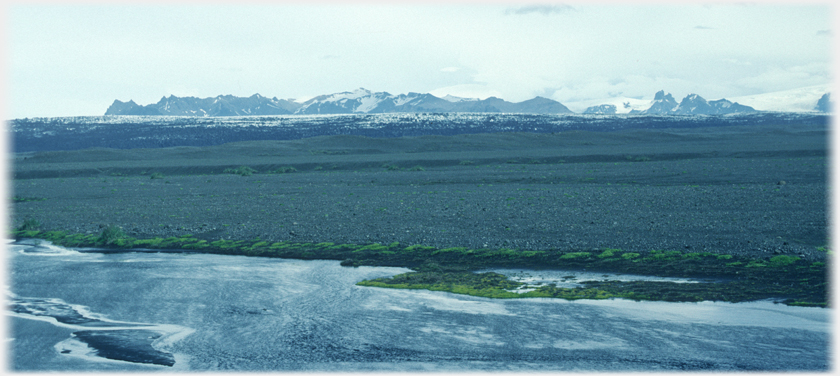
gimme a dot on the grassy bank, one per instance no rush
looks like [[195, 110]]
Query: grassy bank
[[795, 281]]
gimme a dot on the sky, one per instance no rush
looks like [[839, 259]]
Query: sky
[[76, 59]]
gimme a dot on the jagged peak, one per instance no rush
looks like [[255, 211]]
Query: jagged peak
[[660, 95]]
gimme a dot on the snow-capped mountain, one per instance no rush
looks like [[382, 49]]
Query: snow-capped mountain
[[360, 101], [796, 100], [692, 104], [662, 104], [807, 99], [368, 102]]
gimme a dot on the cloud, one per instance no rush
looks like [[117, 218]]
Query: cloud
[[700, 27], [776, 78], [542, 9], [825, 32], [737, 62], [593, 89], [450, 69]]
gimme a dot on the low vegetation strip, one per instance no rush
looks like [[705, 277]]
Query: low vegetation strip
[[795, 281], [490, 285]]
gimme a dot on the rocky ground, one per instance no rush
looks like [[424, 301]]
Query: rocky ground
[[752, 191]]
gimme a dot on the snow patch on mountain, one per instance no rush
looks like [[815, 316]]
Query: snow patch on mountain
[[452, 98], [355, 94], [623, 105], [403, 99], [368, 103]]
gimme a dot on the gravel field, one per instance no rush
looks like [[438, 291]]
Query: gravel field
[[754, 191]]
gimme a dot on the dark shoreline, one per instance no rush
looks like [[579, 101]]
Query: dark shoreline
[[786, 279]]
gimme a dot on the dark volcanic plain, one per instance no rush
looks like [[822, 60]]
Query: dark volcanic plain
[[752, 191]]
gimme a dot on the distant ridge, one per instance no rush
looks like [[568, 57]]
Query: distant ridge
[[222, 105], [665, 104], [806, 99], [358, 101], [362, 101]]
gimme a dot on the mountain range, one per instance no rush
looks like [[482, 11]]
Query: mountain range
[[362, 101], [692, 104], [358, 101]]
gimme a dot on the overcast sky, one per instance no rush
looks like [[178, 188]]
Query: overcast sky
[[75, 60]]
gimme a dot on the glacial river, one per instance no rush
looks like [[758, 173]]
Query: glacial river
[[76, 311]]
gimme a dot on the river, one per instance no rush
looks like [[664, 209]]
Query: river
[[139, 311]]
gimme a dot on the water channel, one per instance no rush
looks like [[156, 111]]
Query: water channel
[[142, 311]]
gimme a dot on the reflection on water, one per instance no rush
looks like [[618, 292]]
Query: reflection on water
[[202, 312]]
